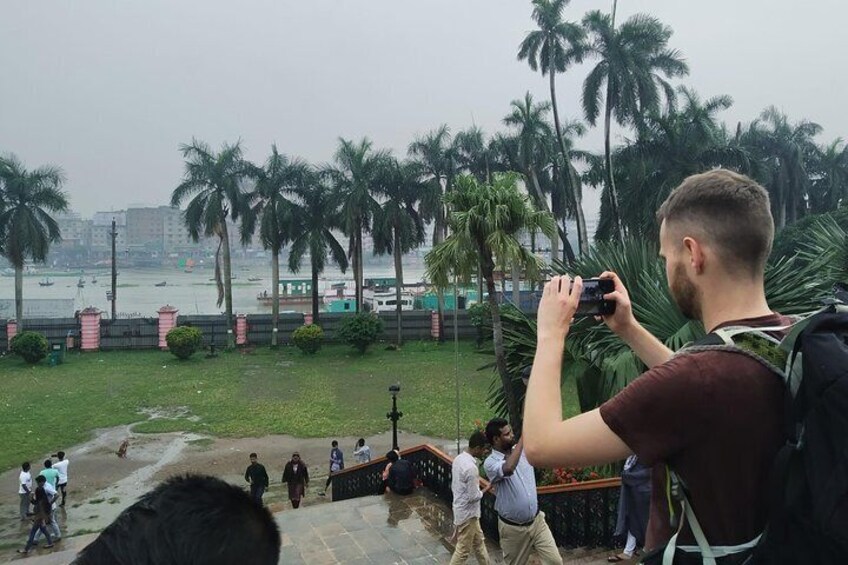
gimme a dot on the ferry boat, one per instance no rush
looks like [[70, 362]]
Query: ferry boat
[[292, 291]]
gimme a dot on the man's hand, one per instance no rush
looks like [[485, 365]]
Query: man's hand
[[623, 320], [559, 303]]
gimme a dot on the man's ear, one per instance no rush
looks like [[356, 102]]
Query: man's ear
[[694, 253]]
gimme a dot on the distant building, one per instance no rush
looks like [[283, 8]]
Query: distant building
[[101, 228], [76, 232]]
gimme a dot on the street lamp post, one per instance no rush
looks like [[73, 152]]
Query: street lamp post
[[394, 415]]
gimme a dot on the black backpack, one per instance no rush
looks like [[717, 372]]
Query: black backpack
[[808, 489]]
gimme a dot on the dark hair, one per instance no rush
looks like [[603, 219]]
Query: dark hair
[[41, 479], [25, 466], [392, 456], [253, 455], [494, 427], [361, 441], [729, 210], [477, 439], [60, 454], [48, 463], [335, 443], [189, 519]]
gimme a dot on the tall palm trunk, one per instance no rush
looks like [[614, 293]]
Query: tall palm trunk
[[19, 297], [360, 275], [613, 194], [275, 295], [500, 353], [516, 285], [543, 204], [582, 234], [439, 237], [315, 313], [228, 286], [398, 287]]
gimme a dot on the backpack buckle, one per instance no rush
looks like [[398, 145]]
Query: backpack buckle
[[797, 443]]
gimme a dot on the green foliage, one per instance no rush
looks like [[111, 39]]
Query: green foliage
[[793, 238], [308, 338], [480, 316], [184, 341], [32, 346], [360, 330]]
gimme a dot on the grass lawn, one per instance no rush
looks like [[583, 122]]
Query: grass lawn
[[335, 392]]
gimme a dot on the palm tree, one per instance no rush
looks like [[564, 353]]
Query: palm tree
[[26, 227], [829, 187], [213, 181], [354, 177], [472, 154], [317, 214], [553, 48], [485, 220], [530, 119], [669, 147], [399, 227], [783, 152], [634, 62], [273, 209], [435, 156]]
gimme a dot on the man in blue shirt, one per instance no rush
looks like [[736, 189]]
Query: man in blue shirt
[[521, 525]]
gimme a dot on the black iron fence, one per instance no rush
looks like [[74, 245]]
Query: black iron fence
[[579, 515]]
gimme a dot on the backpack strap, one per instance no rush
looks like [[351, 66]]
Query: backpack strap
[[677, 490]]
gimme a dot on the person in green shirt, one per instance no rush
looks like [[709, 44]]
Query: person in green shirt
[[49, 473]]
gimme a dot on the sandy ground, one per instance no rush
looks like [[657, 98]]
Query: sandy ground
[[101, 484]]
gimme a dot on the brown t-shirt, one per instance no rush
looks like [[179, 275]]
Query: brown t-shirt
[[716, 419]]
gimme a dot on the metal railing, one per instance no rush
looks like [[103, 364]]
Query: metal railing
[[579, 515]]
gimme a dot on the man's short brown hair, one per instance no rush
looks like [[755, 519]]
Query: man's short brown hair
[[730, 211]]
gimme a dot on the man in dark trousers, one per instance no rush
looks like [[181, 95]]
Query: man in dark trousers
[[297, 476], [257, 477]]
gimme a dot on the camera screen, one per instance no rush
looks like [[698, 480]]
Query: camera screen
[[592, 301]]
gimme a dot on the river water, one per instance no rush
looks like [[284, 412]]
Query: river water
[[191, 293]]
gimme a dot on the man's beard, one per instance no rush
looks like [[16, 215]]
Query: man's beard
[[685, 294]]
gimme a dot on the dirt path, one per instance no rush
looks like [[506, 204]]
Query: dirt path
[[101, 485]]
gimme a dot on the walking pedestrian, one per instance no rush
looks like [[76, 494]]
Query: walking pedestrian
[[41, 516], [362, 452], [296, 475], [257, 477], [521, 524], [25, 489], [51, 524], [465, 486], [336, 464], [49, 473], [62, 467]]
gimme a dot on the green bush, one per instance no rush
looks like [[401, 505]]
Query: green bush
[[308, 338], [32, 346], [360, 330], [480, 316], [184, 341]]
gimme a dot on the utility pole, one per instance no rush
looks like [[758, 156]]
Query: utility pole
[[114, 269]]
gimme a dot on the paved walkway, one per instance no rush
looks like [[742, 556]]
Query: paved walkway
[[379, 530]]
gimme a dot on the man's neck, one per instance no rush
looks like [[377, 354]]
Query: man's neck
[[502, 450], [730, 302]]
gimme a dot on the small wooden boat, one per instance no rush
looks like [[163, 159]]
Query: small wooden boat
[[163, 283], [254, 279]]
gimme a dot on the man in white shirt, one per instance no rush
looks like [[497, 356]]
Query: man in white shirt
[[465, 485], [25, 489], [62, 466]]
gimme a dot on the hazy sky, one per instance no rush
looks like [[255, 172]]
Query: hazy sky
[[109, 89]]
